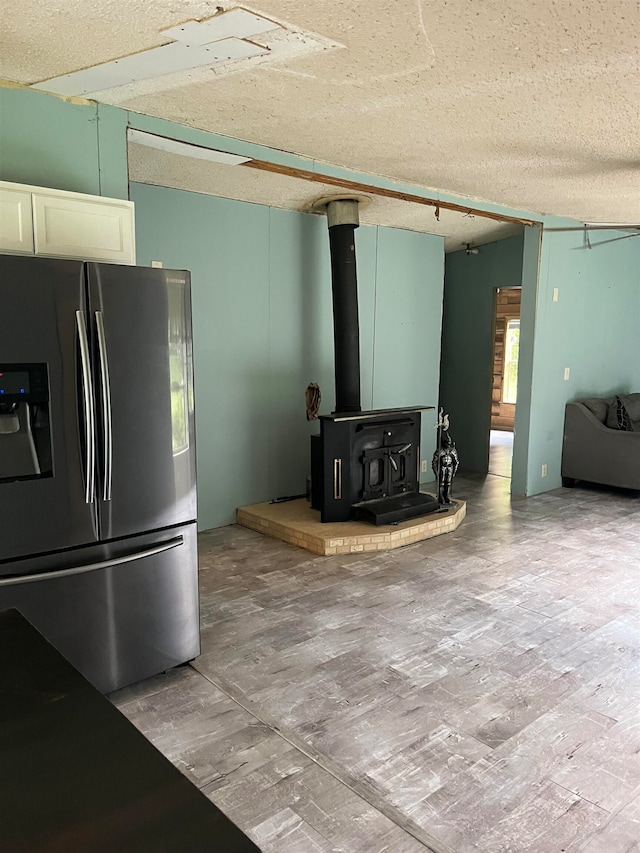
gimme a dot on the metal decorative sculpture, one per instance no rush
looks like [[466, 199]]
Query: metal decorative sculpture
[[445, 460]]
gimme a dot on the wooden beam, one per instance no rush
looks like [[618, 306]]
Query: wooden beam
[[357, 187]]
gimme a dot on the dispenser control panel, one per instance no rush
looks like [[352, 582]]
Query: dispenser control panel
[[25, 423], [27, 383], [14, 382]]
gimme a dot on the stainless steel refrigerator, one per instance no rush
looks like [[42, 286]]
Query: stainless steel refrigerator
[[97, 463]]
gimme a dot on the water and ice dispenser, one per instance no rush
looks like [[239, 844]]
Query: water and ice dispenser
[[25, 422]]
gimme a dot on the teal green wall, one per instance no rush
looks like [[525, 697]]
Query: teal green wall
[[408, 326], [593, 328], [528, 311], [298, 326], [467, 341], [50, 142], [263, 325], [263, 329], [264, 269], [225, 244]]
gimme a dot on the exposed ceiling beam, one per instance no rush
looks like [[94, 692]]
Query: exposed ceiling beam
[[357, 187]]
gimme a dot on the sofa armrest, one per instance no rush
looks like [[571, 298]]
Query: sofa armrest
[[593, 452]]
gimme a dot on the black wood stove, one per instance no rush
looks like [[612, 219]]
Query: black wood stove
[[364, 465]]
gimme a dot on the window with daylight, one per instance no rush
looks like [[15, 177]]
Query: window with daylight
[[511, 346]]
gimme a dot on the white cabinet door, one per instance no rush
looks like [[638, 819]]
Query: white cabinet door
[[16, 226], [84, 227]]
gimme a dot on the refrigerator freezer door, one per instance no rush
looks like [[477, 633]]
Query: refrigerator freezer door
[[119, 612], [42, 316], [142, 349]]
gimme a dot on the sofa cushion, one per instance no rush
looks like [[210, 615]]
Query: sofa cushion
[[599, 406], [618, 416], [632, 405]]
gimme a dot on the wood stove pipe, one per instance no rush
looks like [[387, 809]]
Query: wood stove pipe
[[342, 219]]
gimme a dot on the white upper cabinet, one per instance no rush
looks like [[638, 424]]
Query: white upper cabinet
[[86, 227], [57, 224], [16, 223]]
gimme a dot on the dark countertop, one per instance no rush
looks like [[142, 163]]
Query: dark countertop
[[76, 775]]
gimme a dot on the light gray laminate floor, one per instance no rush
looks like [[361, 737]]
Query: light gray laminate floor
[[500, 452], [475, 692]]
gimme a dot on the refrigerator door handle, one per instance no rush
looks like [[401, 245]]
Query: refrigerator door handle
[[106, 407], [87, 394], [92, 567]]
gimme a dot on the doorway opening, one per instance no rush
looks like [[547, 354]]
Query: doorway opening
[[506, 344]]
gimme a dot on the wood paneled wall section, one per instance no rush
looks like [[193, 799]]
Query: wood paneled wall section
[[507, 308]]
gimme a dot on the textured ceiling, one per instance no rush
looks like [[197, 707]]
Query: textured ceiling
[[533, 105], [171, 170]]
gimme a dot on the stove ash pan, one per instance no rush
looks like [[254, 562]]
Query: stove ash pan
[[367, 466]]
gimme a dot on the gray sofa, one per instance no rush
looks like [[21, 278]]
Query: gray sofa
[[601, 441]]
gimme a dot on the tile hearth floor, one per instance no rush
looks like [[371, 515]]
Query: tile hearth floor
[[296, 523], [475, 692]]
